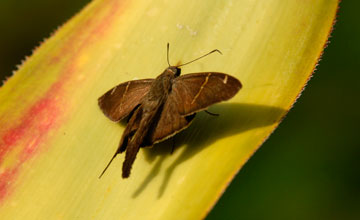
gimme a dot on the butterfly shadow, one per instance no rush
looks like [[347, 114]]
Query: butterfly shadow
[[234, 118]]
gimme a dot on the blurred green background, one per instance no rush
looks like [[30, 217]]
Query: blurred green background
[[308, 169]]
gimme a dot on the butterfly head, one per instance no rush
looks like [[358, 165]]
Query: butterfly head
[[176, 71]]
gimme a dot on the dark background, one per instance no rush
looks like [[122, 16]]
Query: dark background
[[308, 169]]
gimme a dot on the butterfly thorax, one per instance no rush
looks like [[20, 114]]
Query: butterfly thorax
[[159, 90], [161, 86]]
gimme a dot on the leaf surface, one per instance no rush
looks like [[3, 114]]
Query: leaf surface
[[55, 141]]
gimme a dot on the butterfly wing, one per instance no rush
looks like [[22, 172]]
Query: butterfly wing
[[168, 124], [192, 93], [119, 101], [197, 91]]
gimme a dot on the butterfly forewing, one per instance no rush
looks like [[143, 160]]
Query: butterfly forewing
[[119, 101], [191, 93], [197, 91]]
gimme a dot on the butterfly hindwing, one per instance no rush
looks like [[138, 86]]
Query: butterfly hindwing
[[119, 101], [169, 123]]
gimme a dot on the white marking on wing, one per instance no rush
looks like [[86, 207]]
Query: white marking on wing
[[201, 88], [225, 79]]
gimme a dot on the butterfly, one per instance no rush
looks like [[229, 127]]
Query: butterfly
[[160, 108]]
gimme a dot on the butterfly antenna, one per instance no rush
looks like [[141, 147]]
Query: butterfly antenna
[[216, 50], [167, 53], [108, 165]]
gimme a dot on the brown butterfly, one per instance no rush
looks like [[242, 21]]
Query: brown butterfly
[[159, 108]]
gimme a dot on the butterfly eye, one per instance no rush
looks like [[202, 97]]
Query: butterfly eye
[[178, 72]]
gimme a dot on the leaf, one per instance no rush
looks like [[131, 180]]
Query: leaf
[[55, 141]]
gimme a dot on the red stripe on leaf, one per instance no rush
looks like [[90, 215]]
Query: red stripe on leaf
[[45, 115]]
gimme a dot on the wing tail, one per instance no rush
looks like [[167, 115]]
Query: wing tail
[[127, 135], [130, 156], [107, 166], [133, 147]]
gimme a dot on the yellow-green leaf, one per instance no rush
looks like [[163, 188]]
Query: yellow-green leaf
[[54, 140]]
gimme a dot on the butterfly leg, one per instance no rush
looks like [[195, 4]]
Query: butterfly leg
[[212, 114], [173, 145]]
